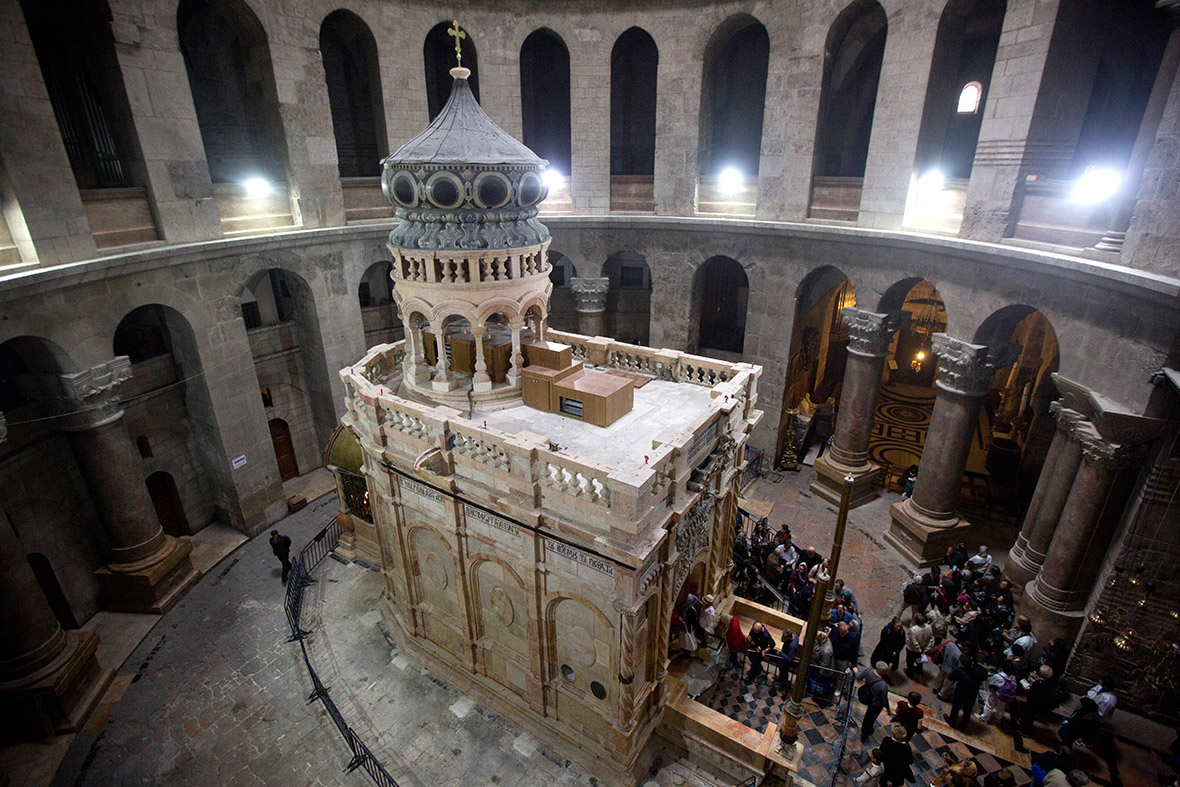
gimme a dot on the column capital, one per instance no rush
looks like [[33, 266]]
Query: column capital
[[590, 294], [1102, 452], [1066, 417], [963, 368], [90, 398], [870, 333]]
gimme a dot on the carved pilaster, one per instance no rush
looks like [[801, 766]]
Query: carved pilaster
[[963, 368], [627, 669], [90, 398], [590, 294], [870, 333]]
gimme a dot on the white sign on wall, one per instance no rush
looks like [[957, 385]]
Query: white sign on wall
[[239, 462]]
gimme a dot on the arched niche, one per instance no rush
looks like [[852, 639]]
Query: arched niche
[[733, 97], [634, 65], [545, 98], [721, 292], [349, 54]]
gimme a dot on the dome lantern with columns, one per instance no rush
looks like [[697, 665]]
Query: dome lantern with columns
[[470, 258]]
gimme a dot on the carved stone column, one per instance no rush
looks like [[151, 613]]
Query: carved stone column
[[926, 524], [49, 679], [481, 379], [1057, 476], [443, 380], [149, 571], [590, 301], [627, 669], [516, 324], [869, 335], [416, 369], [1055, 599]]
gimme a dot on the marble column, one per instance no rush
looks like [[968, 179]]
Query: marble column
[[516, 324], [1056, 598], [1044, 510], [49, 678], [417, 371], [925, 524], [481, 379], [590, 301], [1133, 175], [149, 571], [443, 379], [869, 335]]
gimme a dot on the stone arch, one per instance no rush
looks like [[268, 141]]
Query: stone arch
[[227, 57], [634, 61], [433, 576], [349, 54], [507, 306], [509, 615], [438, 57], [545, 98], [733, 96], [628, 299], [581, 638], [375, 293], [721, 290]]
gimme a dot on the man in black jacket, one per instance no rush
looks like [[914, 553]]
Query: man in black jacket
[[281, 546], [967, 679], [877, 689]]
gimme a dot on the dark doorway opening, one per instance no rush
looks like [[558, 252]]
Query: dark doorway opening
[[280, 435], [166, 499]]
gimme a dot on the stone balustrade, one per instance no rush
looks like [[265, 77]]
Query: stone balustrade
[[472, 268]]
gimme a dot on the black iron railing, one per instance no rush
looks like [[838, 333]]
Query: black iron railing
[[298, 580], [753, 471]]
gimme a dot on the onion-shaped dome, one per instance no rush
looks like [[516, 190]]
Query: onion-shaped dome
[[465, 183]]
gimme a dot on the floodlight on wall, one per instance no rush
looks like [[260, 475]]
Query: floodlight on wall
[[729, 181], [931, 184], [1097, 184], [553, 179], [257, 188]]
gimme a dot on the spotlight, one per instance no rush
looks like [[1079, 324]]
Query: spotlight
[[931, 183], [729, 181], [256, 188], [553, 179], [1097, 184]]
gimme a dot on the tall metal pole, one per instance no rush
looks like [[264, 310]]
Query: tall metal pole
[[788, 730], [838, 540]]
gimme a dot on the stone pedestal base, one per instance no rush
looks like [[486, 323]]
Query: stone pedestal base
[[1049, 623], [57, 698], [153, 590], [1020, 568], [922, 541], [829, 481]]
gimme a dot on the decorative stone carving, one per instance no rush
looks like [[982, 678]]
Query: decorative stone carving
[[90, 398], [1067, 418], [1104, 453], [963, 368], [692, 538], [590, 294], [870, 333]]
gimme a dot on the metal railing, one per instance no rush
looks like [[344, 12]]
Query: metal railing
[[753, 471], [297, 581]]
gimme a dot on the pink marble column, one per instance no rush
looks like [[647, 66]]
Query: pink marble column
[[925, 524], [1057, 476], [869, 335]]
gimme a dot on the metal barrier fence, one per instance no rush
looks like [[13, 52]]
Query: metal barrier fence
[[297, 581], [753, 471]]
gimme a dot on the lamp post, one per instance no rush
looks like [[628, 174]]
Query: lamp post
[[838, 539], [788, 730]]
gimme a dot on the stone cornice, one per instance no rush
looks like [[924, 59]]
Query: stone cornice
[[963, 368], [870, 333], [1067, 419], [590, 294], [1104, 453], [1113, 421], [90, 398]]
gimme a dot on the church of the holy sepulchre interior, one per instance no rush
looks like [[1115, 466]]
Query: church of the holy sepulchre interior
[[725, 393]]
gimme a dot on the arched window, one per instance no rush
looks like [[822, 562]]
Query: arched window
[[734, 97], [969, 98], [545, 98], [438, 55], [354, 94], [633, 63], [723, 290]]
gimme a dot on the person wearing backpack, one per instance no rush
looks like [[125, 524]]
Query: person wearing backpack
[[874, 695], [999, 690]]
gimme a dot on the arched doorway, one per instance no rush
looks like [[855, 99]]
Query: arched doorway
[[169, 508], [722, 291], [378, 312], [51, 587], [438, 56], [853, 54], [280, 437]]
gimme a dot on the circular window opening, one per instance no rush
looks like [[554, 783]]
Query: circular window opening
[[530, 190], [567, 672], [403, 189], [444, 193], [598, 690], [492, 190]]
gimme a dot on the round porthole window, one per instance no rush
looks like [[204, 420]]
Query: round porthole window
[[567, 672], [531, 190], [444, 190], [598, 690], [492, 190], [404, 190]]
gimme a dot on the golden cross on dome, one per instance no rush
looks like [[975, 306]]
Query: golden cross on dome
[[458, 35]]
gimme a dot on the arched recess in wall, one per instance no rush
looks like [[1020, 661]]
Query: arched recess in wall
[[1016, 408], [815, 366], [283, 327], [634, 64], [438, 56], [378, 312], [721, 291], [628, 299], [545, 98], [733, 101], [906, 399], [853, 53], [349, 54], [167, 403], [233, 85], [563, 313]]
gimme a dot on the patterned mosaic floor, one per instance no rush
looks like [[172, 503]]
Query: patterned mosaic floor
[[900, 425], [754, 703]]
